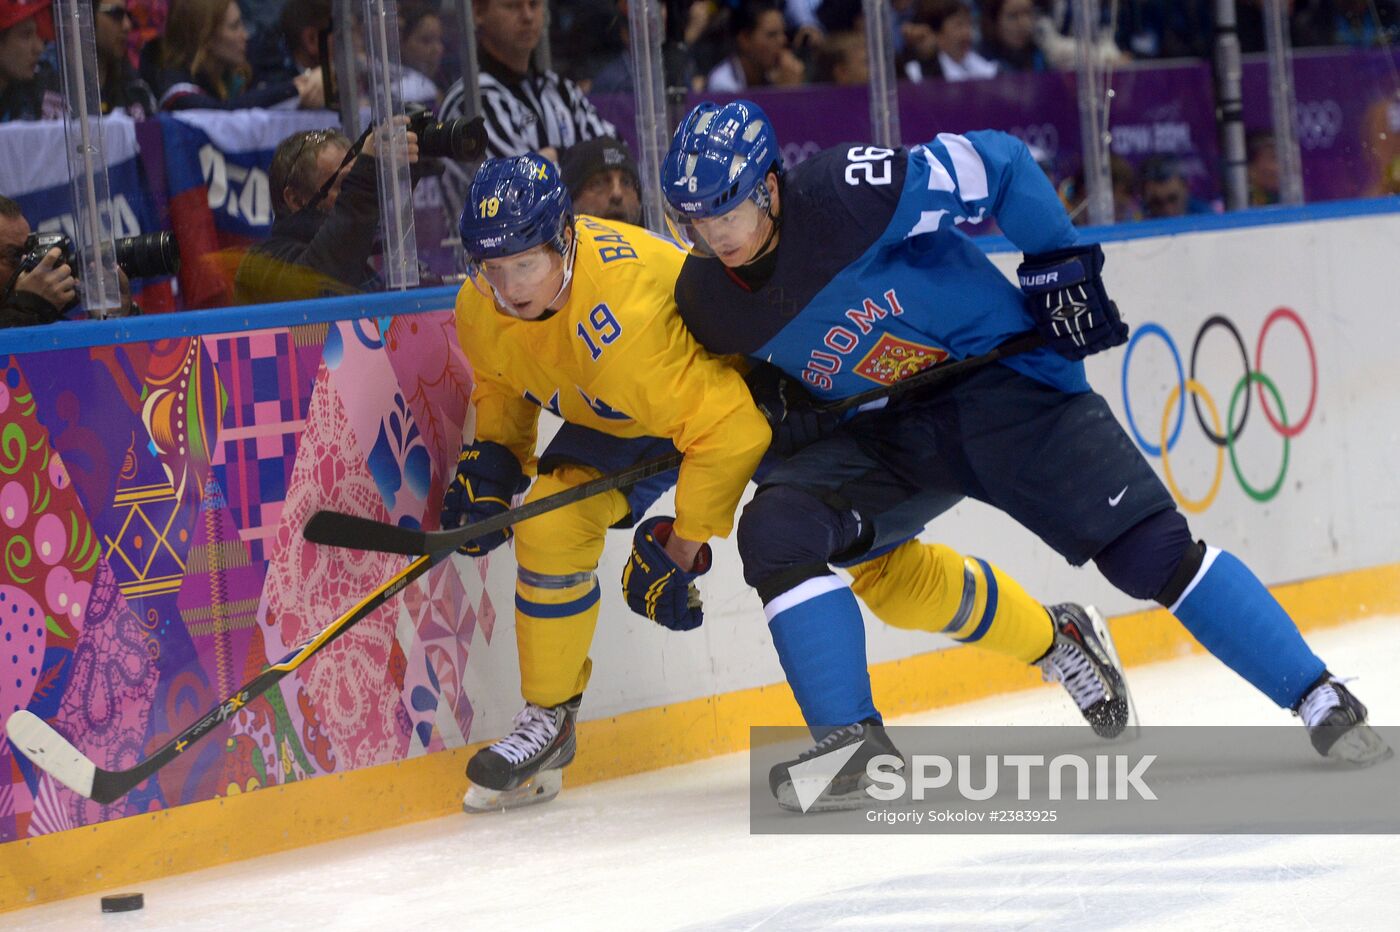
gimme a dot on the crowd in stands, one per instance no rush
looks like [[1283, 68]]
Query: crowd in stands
[[167, 55], [236, 54]]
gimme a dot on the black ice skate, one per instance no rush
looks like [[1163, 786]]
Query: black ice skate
[[1083, 659], [797, 791], [1336, 722], [527, 765]]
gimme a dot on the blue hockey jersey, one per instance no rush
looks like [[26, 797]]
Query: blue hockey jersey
[[874, 281]]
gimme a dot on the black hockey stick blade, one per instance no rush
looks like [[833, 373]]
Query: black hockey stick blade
[[334, 528], [340, 530], [37, 740]]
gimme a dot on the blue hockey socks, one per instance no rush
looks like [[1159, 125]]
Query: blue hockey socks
[[820, 636], [1227, 609]]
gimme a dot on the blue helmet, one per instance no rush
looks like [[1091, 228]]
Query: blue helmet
[[718, 158], [514, 205]]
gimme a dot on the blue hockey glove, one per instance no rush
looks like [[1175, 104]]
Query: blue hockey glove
[[1065, 293], [655, 586], [792, 412], [488, 475]]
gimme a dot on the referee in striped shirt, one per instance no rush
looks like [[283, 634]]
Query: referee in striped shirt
[[525, 109]]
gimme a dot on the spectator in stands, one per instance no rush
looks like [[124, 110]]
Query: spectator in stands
[[603, 180], [421, 50], [1167, 28], [944, 50], [1124, 181], [614, 74], [294, 47], [1355, 23], [119, 86], [841, 59], [1008, 35], [1261, 153], [525, 108], [761, 57], [319, 245], [43, 294], [28, 89], [1055, 35], [1165, 191], [35, 297], [204, 54], [583, 35]]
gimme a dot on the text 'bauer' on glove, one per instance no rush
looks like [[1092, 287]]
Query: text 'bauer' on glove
[[488, 476], [1065, 294], [655, 586], [793, 414]]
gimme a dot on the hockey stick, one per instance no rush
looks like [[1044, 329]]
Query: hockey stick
[[341, 530], [37, 740]]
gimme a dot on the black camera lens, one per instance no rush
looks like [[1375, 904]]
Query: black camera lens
[[463, 140], [148, 255]]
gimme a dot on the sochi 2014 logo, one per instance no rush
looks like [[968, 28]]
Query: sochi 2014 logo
[[1157, 433]]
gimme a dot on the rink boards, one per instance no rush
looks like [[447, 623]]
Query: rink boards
[[154, 474]]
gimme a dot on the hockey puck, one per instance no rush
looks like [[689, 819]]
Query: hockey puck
[[123, 902]]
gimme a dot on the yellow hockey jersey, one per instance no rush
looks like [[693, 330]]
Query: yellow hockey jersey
[[616, 358]]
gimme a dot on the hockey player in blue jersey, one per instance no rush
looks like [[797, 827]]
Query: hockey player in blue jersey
[[849, 271]]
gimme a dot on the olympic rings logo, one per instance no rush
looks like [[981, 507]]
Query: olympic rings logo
[[1318, 123], [1224, 440]]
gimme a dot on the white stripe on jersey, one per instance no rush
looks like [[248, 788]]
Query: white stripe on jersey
[[802, 592], [972, 174], [928, 222], [938, 177]]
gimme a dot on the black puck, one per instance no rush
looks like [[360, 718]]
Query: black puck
[[123, 902]]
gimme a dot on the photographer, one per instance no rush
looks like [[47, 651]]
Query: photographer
[[327, 211], [42, 294]]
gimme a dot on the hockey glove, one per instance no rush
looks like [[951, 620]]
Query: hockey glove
[[794, 415], [655, 586], [488, 475], [1065, 294]]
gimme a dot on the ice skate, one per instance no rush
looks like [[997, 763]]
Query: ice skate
[[1336, 723], [1082, 658], [526, 766], [846, 790]]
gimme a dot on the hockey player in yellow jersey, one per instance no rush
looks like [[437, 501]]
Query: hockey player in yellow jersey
[[577, 316]]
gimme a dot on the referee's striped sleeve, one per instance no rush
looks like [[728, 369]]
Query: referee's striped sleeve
[[588, 123], [504, 136]]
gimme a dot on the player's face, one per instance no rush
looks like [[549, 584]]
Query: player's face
[[526, 282], [736, 237]]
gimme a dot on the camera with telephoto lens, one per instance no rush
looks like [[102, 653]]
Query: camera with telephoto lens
[[139, 256], [460, 139]]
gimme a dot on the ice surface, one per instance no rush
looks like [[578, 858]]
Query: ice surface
[[671, 849]]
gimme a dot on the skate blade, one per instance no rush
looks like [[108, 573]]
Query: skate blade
[[826, 802], [1360, 747], [1113, 729], [540, 788]]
